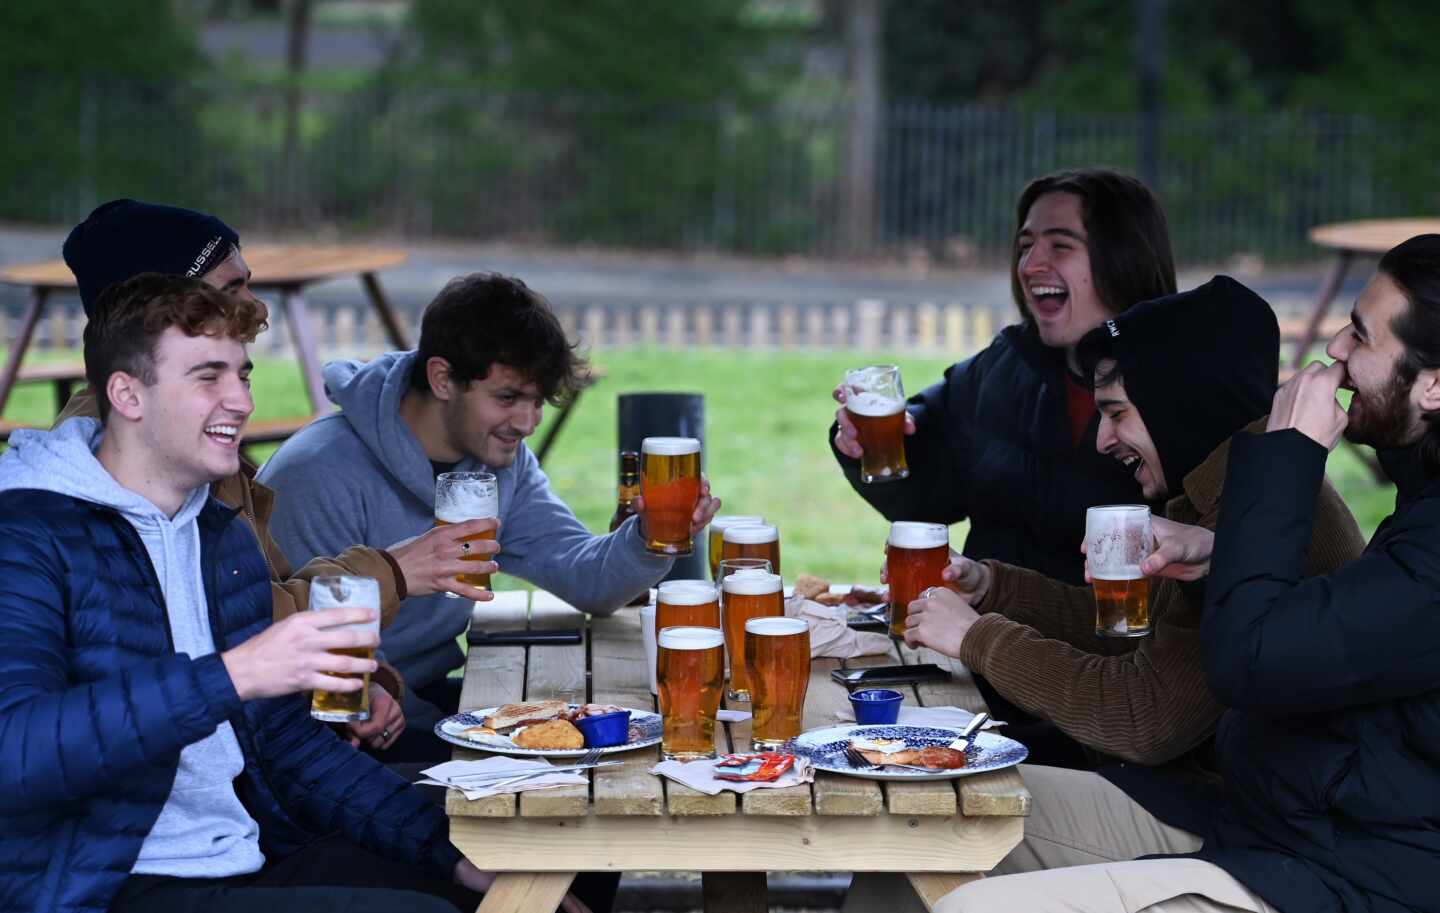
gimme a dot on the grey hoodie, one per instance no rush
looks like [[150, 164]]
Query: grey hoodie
[[360, 477], [203, 831]]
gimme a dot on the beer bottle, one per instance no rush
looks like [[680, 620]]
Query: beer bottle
[[629, 490]]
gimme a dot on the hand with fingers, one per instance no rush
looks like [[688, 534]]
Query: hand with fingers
[[969, 578], [433, 562], [705, 509], [939, 619], [847, 437], [386, 722], [294, 655], [1307, 403]]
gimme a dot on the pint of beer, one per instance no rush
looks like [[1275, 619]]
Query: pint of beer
[[690, 673], [687, 603], [717, 532], [875, 399], [915, 557], [748, 593], [752, 540], [1117, 539], [461, 496], [346, 593], [670, 485], [777, 656]]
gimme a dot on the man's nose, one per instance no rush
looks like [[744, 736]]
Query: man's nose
[[1340, 344], [528, 419], [1104, 435]]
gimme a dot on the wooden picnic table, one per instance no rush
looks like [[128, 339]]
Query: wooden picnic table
[[943, 833]]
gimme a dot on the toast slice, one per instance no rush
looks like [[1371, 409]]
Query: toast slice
[[509, 716]]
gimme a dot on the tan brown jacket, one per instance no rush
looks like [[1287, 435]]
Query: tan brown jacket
[[1148, 702], [291, 590]]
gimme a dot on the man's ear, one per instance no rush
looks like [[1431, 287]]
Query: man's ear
[[124, 391], [1427, 383], [442, 384]]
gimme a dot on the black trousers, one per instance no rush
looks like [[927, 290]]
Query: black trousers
[[418, 743]]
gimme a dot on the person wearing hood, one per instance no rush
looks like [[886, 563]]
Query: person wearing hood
[[156, 746], [491, 354], [124, 238]]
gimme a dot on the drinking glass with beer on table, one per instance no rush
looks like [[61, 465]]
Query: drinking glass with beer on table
[[746, 593], [1117, 539], [670, 490], [341, 592], [690, 673], [916, 555], [875, 406], [752, 540], [777, 659], [717, 536], [687, 603], [461, 496]]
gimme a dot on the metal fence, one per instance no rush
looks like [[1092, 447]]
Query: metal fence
[[435, 164]]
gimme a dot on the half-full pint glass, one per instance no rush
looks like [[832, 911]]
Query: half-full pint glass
[[346, 593], [670, 484], [752, 540], [687, 603], [717, 533], [1117, 539], [875, 399], [777, 656], [461, 496], [690, 673], [915, 559], [748, 593]]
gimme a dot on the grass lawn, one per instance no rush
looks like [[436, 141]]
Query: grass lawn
[[766, 452]]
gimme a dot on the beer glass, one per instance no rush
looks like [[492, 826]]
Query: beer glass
[[690, 673], [777, 654], [461, 496], [670, 485], [688, 603], [748, 593], [717, 532], [1117, 539], [875, 400], [346, 593], [915, 557], [752, 540]]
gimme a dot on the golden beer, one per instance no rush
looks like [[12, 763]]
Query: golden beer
[[1117, 539], [777, 656], [461, 496], [748, 593], [875, 400], [717, 532], [670, 485], [1122, 607], [690, 675], [752, 540], [687, 603], [915, 558], [341, 592]]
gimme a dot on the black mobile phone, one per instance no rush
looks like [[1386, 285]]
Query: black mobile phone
[[890, 675], [530, 638], [864, 621]]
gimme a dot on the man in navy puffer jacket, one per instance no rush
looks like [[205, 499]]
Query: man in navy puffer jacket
[[156, 750]]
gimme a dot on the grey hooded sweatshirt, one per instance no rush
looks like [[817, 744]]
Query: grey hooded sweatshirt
[[361, 477], [203, 831]]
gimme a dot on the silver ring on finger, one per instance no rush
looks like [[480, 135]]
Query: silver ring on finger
[[928, 592], [465, 547], [384, 735]]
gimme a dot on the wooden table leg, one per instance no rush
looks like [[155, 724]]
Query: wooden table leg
[[1328, 289], [931, 886], [28, 322], [302, 333], [526, 892], [393, 328], [734, 892]]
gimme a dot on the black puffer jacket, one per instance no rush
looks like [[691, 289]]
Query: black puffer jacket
[[992, 443]]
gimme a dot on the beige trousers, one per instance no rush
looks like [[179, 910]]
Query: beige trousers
[[1076, 857]]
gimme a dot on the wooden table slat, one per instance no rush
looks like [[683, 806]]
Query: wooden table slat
[[618, 676], [556, 672], [836, 794], [786, 800]]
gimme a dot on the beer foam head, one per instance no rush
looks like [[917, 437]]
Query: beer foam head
[[1122, 572], [874, 404], [752, 534], [461, 496], [905, 534], [683, 638], [685, 592], [345, 592], [725, 521], [776, 627], [670, 446], [752, 581]]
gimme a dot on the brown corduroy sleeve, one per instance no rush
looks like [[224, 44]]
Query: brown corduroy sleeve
[[1054, 609]]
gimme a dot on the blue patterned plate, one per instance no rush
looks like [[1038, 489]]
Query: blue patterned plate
[[644, 731], [826, 750]]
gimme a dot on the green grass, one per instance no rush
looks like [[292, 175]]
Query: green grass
[[766, 419]]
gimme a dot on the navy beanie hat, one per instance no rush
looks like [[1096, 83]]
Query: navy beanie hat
[[125, 238]]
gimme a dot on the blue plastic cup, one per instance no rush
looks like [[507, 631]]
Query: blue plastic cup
[[876, 706], [606, 729]]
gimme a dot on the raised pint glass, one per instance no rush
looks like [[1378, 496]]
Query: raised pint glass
[[777, 656], [748, 593], [670, 484], [690, 674], [875, 399], [687, 603], [461, 496], [915, 558], [752, 540], [1117, 539], [346, 593], [717, 533]]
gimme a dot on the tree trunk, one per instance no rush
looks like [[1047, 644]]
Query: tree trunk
[[296, 45], [865, 73]]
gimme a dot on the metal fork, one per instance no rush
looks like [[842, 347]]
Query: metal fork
[[857, 760]]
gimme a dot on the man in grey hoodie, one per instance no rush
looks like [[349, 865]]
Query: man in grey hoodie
[[491, 354]]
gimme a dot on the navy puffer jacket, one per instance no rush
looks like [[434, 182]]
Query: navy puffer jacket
[[95, 707]]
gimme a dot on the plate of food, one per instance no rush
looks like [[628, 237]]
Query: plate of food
[[543, 729], [904, 752]]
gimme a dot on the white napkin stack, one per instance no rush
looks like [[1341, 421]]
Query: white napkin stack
[[829, 633], [452, 774], [700, 776], [952, 717]]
